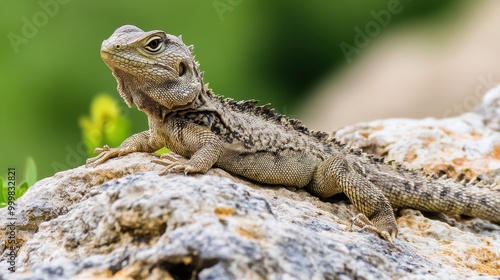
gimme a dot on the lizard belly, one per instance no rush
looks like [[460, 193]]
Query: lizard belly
[[289, 168]]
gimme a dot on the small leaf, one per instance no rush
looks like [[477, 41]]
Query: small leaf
[[92, 139], [162, 151], [21, 189], [3, 199], [103, 109], [85, 123], [30, 176], [105, 125], [116, 131], [5, 193]]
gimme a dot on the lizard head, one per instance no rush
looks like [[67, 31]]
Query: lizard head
[[153, 63]]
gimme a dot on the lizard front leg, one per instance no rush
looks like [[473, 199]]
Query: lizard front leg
[[335, 175], [201, 145], [139, 142]]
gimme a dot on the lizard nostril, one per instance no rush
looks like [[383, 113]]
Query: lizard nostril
[[117, 46]]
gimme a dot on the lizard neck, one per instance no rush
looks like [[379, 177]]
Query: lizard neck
[[136, 91], [205, 101]]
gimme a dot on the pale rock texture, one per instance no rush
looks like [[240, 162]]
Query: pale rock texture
[[463, 147], [121, 220]]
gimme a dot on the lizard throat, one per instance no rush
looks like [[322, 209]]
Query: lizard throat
[[124, 92]]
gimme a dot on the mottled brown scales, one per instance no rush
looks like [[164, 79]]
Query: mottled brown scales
[[158, 73]]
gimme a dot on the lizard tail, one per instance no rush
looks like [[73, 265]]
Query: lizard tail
[[441, 195]]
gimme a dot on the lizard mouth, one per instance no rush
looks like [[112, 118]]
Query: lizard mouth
[[108, 55], [165, 66]]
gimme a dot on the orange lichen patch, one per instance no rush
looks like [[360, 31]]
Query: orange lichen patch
[[19, 243], [404, 221], [122, 274], [364, 134], [476, 135], [446, 131], [428, 140], [460, 161], [187, 260], [487, 260], [223, 211], [411, 155], [248, 232], [496, 152], [418, 226]]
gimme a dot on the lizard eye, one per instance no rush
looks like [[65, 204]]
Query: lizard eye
[[154, 44]]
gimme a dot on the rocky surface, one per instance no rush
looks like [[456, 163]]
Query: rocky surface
[[463, 147], [121, 220]]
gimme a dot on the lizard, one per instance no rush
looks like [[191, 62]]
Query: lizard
[[158, 73]]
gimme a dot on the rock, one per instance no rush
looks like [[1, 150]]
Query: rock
[[489, 109], [121, 220], [463, 147]]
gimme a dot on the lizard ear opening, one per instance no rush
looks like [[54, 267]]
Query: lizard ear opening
[[179, 92], [182, 69]]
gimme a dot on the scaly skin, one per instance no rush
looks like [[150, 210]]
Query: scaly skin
[[157, 72]]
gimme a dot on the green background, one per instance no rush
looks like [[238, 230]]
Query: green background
[[274, 51]]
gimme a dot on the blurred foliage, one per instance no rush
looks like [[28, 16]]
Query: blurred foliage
[[105, 124], [19, 188], [274, 51]]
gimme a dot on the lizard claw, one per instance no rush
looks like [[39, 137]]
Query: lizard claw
[[105, 153], [173, 165], [365, 224], [105, 148]]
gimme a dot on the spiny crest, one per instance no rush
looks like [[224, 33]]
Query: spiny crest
[[265, 112], [436, 178], [322, 136], [372, 158], [190, 47], [398, 166]]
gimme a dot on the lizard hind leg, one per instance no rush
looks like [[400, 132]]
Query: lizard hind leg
[[335, 175]]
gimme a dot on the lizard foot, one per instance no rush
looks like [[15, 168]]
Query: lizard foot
[[105, 153], [365, 224], [173, 164]]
